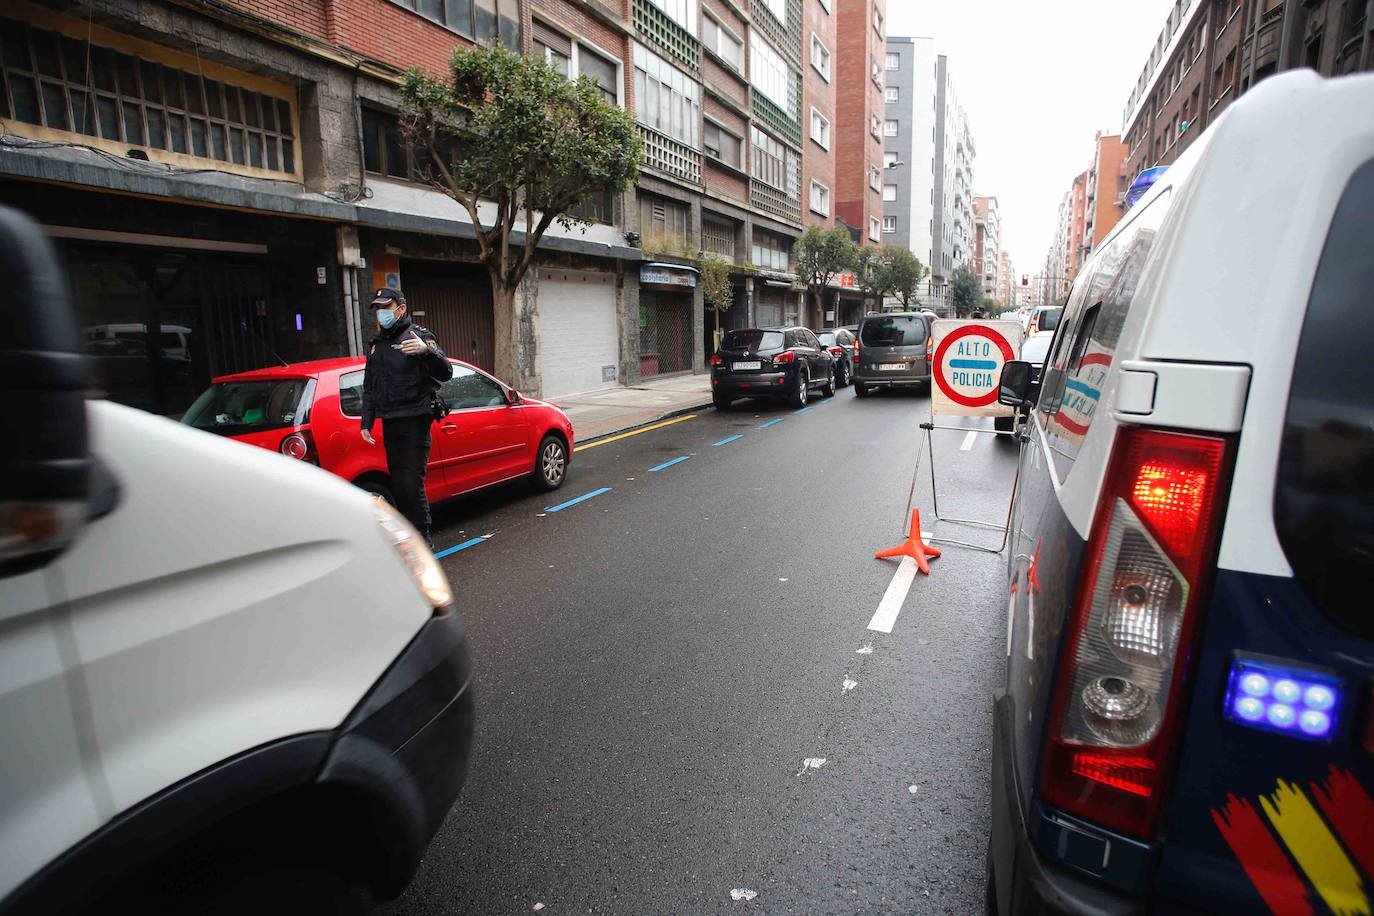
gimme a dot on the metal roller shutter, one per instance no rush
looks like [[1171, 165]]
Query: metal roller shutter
[[579, 336]]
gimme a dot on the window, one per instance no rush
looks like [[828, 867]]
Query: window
[[876, 74], [1322, 479], [889, 224], [387, 152], [351, 394], [663, 221], [877, 20], [890, 161], [553, 47], [484, 20], [469, 389], [820, 198], [769, 74], [726, 44], [874, 228], [771, 251], [892, 94], [718, 238], [604, 71], [825, 5], [820, 56], [890, 128], [666, 99], [889, 192], [893, 62], [1086, 343], [722, 145], [778, 8], [874, 179], [820, 128], [683, 12], [141, 103], [769, 160], [875, 126]]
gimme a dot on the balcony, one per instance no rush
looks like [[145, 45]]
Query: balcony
[[654, 24], [772, 201], [670, 156]]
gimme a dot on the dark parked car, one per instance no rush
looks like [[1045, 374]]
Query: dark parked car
[[840, 343], [893, 352], [779, 363]]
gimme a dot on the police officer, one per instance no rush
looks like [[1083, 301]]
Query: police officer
[[405, 367]]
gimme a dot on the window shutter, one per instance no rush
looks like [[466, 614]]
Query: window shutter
[[549, 38]]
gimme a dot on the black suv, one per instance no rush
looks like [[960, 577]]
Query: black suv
[[779, 363]]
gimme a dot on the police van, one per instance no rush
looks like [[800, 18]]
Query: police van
[[1187, 721]]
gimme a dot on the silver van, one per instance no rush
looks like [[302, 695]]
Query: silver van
[[892, 351]]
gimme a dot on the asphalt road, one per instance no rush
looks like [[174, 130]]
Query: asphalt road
[[656, 663]]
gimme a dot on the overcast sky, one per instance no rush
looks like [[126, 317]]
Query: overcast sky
[[1037, 81]]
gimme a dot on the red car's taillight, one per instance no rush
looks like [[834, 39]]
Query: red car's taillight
[[717, 359], [837, 351], [784, 357], [1119, 690], [299, 445]]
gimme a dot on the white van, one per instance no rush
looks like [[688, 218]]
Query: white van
[[1187, 721], [218, 667]]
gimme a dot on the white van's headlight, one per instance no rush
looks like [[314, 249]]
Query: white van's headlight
[[428, 576]]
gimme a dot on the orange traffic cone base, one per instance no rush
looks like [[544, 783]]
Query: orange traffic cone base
[[912, 547]]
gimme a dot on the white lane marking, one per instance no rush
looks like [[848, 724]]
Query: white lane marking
[[742, 893], [894, 597], [811, 763], [968, 441], [848, 685], [864, 650]]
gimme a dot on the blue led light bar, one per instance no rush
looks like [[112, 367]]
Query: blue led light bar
[[1142, 183], [1283, 699]]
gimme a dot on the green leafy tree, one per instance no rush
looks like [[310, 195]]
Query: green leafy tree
[[716, 288], [520, 148], [965, 292], [898, 274], [821, 255]]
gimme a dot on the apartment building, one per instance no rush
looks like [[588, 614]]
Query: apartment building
[[1105, 187], [952, 231], [1209, 52], [987, 242], [859, 114], [908, 175], [1006, 281]]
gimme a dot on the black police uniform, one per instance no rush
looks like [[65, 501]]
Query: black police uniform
[[397, 389]]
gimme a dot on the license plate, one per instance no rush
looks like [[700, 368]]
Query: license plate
[[892, 367], [755, 364]]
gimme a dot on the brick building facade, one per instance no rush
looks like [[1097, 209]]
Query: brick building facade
[[1211, 51], [859, 115]]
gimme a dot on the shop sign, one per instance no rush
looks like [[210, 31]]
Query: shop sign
[[668, 275]]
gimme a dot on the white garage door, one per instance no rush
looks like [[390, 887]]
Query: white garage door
[[578, 333]]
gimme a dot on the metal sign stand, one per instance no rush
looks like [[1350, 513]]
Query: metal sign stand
[[1005, 527]]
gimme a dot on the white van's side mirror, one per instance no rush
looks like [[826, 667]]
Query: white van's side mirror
[[46, 469]]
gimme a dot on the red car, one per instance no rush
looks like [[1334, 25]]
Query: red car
[[311, 411]]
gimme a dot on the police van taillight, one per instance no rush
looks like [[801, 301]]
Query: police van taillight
[[1119, 690]]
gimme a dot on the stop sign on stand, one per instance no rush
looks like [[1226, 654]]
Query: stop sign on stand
[[967, 366]]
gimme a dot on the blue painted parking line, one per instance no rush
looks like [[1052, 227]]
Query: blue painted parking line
[[581, 499], [463, 546], [727, 440], [770, 423], [803, 410], [668, 464]]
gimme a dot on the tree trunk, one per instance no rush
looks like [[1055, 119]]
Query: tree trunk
[[507, 367]]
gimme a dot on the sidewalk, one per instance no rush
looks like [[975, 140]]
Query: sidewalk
[[600, 413]]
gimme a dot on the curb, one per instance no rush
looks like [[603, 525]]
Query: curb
[[675, 412]]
